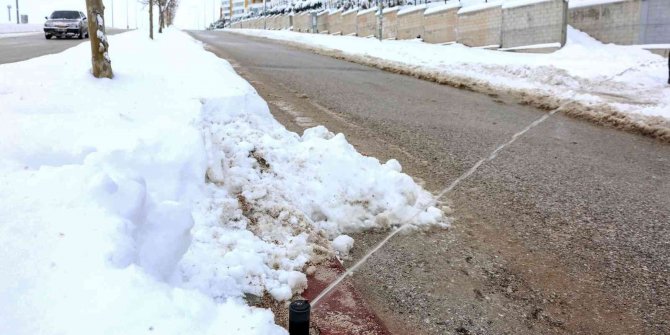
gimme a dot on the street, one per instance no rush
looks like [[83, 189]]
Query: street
[[564, 232], [16, 49]]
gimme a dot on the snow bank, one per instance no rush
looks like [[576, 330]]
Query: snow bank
[[7, 28], [621, 86], [154, 202], [12, 30]]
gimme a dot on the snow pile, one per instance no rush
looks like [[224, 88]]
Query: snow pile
[[623, 86], [343, 244], [155, 201]]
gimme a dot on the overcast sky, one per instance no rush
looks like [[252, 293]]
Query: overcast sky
[[191, 13]]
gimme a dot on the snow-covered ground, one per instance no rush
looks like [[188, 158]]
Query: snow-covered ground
[[155, 201], [623, 84], [11, 29]]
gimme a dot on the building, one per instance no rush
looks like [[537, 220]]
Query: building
[[233, 9], [226, 9]]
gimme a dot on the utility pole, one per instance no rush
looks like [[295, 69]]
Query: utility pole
[[380, 17], [17, 12], [265, 21], [112, 13], [127, 17], [9, 13]]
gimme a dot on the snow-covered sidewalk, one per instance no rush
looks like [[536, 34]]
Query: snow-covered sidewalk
[[156, 201], [624, 86], [12, 30]]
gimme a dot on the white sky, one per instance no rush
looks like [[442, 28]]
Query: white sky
[[192, 14]]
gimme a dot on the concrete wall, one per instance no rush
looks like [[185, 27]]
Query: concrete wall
[[440, 26], [274, 22], [335, 22], [617, 22], [626, 22], [481, 27], [302, 22], [655, 22], [390, 24], [410, 24], [349, 22], [322, 22], [366, 22], [287, 22]]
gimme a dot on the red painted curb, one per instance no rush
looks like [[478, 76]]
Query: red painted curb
[[343, 310]]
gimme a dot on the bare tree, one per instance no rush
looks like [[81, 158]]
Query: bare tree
[[166, 9], [102, 65], [166, 12], [151, 19], [170, 11]]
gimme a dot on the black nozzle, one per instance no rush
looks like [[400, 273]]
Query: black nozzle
[[298, 317]]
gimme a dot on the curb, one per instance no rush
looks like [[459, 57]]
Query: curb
[[343, 310]]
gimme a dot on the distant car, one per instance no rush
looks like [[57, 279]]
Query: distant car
[[66, 23]]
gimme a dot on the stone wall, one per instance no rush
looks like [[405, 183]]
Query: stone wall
[[349, 22], [390, 23], [366, 22], [302, 22], [480, 25], [539, 23], [508, 25], [655, 22], [440, 25], [322, 22], [410, 23], [335, 22], [616, 22]]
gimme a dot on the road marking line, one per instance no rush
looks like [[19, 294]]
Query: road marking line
[[453, 185]]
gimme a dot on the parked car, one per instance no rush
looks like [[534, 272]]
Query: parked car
[[66, 23]]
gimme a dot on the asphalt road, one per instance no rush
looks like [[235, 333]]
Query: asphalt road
[[566, 231], [20, 48]]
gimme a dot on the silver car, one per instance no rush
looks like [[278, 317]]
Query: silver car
[[66, 23]]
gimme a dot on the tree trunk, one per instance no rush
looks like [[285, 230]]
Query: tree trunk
[[102, 65], [151, 19], [160, 19]]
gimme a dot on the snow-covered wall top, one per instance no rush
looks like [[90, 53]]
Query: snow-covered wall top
[[411, 9], [441, 8], [363, 12], [478, 7], [588, 3], [521, 3]]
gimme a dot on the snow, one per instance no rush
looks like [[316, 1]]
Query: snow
[[353, 10], [411, 9], [654, 46], [521, 3], [479, 7], [365, 11], [15, 29], [555, 45], [626, 78], [157, 200], [588, 3], [343, 244], [441, 8], [390, 9]]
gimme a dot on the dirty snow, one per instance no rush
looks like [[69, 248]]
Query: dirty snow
[[343, 244], [154, 202], [638, 84]]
